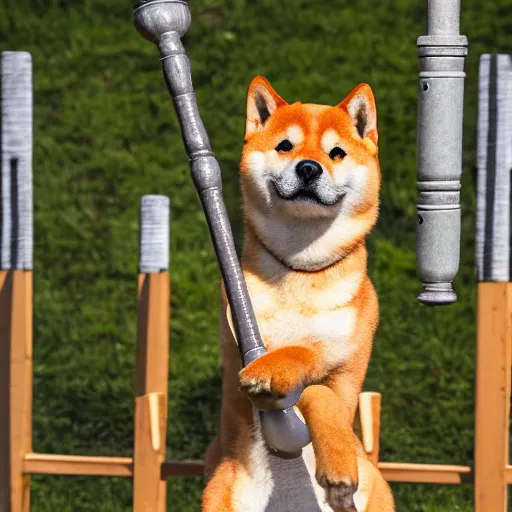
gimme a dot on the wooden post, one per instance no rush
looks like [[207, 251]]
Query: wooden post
[[151, 392], [494, 314], [494, 338], [369, 418], [16, 280]]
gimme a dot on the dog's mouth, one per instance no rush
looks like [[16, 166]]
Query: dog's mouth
[[306, 195]]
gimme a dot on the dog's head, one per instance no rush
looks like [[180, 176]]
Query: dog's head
[[310, 174]]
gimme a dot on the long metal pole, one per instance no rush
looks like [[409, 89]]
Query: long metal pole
[[164, 22], [440, 110]]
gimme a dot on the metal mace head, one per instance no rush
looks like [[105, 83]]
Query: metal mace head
[[154, 18]]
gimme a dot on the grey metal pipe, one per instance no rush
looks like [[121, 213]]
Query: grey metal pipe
[[443, 17], [164, 22], [440, 111]]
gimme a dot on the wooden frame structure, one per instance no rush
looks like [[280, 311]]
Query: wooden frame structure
[[149, 468]]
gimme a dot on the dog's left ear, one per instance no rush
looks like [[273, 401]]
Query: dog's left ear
[[360, 105], [262, 102]]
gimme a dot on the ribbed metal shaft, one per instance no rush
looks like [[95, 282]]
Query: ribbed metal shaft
[[440, 111]]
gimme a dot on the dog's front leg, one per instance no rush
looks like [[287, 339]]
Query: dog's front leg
[[329, 418]]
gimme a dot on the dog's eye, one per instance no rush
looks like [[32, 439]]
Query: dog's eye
[[284, 146], [337, 152]]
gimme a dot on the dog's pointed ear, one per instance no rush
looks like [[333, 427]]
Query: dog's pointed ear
[[262, 102], [360, 105]]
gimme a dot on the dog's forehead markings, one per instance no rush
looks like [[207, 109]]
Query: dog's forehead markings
[[294, 134], [313, 108], [329, 140]]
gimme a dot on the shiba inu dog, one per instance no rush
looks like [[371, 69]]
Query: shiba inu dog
[[310, 181]]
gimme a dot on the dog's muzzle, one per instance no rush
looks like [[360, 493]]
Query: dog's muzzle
[[309, 183]]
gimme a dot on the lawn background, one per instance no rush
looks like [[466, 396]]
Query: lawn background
[[106, 133]]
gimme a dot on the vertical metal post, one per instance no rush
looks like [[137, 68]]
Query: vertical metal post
[[494, 314], [151, 384], [16, 249], [440, 110]]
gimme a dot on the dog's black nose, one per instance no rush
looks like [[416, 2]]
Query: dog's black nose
[[308, 170]]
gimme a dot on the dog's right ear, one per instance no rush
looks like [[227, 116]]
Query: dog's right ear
[[262, 102]]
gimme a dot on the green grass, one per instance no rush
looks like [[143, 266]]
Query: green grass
[[106, 133]]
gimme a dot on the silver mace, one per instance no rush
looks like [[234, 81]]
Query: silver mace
[[165, 22], [440, 110]]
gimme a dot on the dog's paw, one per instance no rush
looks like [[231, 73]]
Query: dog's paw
[[263, 388], [255, 385], [337, 472], [269, 379], [340, 493], [276, 374]]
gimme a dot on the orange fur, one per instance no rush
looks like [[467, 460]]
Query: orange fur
[[305, 264], [218, 495]]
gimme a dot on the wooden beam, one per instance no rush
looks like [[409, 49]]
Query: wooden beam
[[492, 404], [149, 487], [392, 472], [152, 370], [182, 468], [5, 388], [16, 387], [43, 464], [16, 250], [425, 473]]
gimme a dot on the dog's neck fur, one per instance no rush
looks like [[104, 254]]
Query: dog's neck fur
[[259, 260]]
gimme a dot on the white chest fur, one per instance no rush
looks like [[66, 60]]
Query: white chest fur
[[300, 310], [333, 329]]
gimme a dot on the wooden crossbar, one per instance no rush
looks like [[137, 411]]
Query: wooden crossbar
[[44, 464], [426, 473]]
